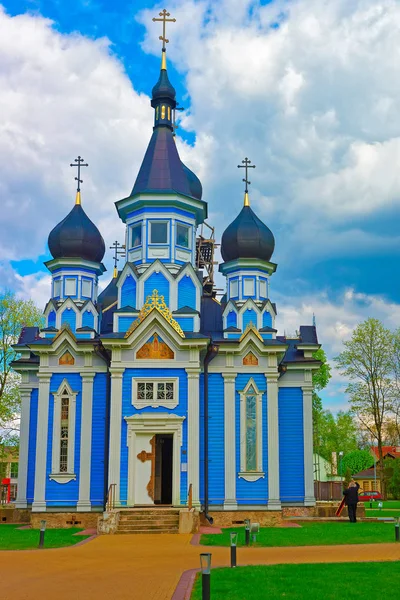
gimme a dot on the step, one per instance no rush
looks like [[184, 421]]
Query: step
[[150, 526], [160, 519], [144, 531]]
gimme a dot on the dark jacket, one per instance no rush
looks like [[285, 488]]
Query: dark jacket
[[351, 494]]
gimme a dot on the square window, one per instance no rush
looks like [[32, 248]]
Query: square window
[[86, 288], [57, 288], [263, 288], [158, 232], [249, 287], [182, 235], [70, 287], [234, 288], [136, 235]]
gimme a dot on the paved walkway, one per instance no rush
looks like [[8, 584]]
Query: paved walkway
[[144, 567]]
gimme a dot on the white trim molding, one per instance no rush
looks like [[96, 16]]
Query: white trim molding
[[69, 474], [114, 467], [309, 497], [85, 462], [193, 436], [230, 441], [258, 473], [154, 402], [39, 502], [23, 448], [274, 502], [155, 423]]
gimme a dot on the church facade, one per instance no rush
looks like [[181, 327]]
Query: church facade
[[154, 387]]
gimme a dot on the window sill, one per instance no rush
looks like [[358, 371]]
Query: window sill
[[155, 403], [251, 476], [62, 477]]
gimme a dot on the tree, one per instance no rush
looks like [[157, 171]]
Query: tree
[[14, 314], [337, 434], [367, 361], [320, 380], [392, 476], [358, 460], [347, 478]]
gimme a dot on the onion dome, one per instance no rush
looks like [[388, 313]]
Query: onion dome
[[196, 189], [247, 237], [77, 237], [163, 90]]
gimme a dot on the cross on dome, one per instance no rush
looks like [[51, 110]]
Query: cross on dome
[[164, 14], [78, 162], [246, 165]]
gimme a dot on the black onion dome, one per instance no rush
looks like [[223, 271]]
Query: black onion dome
[[247, 237], [163, 90], [77, 237], [196, 189], [109, 295]]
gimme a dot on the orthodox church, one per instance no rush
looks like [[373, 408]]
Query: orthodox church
[[154, 388]]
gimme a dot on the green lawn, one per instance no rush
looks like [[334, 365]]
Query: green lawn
[[12, 538], [310, 534], [388, 504], [382, 513], [304, 582]]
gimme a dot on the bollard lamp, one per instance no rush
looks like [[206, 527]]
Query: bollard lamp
[[247, 523], [234, 537], [205, 563], [42, 525]]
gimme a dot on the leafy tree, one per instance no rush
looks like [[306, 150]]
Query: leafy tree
[[347, 477], [358, 460], [14, 314], [392, 476], [337, 434], [367, 361], [321, 378]]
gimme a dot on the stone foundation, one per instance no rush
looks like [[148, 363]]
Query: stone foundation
[[189, 521], [228, 518], [322, 509], [14, 515], [63, 520], [108, 523]]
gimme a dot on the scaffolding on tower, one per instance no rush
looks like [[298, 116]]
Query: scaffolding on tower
[[205, 249]]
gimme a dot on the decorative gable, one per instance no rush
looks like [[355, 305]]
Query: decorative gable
[[250, 360], [66, 359], [155, 348]]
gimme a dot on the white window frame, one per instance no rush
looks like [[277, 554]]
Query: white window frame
[[234, 286], [138, 224], [180, 224], [263, 284], [57, 288], [154, 403], [90, 284], [55, 456], [70, 280], [159, 221], [258, 473], [246, 282]]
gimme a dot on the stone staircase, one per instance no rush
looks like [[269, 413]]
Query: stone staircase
[[148, 520]]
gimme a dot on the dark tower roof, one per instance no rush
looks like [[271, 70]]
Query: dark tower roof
[[109, 295], [162, 170], [77, 237], [247, 237]]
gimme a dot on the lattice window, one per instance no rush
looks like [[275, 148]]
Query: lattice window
[[63, 449], [64, 432], [251, 432], [155, 393]]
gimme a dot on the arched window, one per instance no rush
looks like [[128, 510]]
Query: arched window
[[169, 112], [157, 112], [251, 432], [63, 446], [64, 432], [163, 112]]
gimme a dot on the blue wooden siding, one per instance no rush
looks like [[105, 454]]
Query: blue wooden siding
[[231, 319], [88, 319], [128, 292], [216, 463], [32, 445], [69, 316], [249, 316], [187, 323], [98, 434], [128, 410], [267, 319], [64, 494], [252, 492], [157, 281], [51, 319], [186, 293], [124, 323], [291, 444]]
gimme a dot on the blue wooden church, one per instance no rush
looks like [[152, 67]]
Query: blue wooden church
[[154, 386]]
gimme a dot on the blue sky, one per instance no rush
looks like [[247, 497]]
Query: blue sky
[[307, 89]]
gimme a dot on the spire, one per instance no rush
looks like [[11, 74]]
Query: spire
[[246, 165], [78, 162], [119, 249], [163, 95]]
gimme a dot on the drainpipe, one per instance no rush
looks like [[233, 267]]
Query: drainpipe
[[102, 352], [212, 352]]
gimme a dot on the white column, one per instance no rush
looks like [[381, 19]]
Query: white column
[[274, 502], [229, 441], [23, 448], [193, 434], [114, 467], [39, 503], [85, 461], [309, 498]]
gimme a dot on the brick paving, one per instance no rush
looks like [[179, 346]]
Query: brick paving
[[144, 567]]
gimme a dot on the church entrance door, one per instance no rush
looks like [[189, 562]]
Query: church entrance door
[[163, 469]]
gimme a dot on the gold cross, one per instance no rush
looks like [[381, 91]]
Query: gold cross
[[164, 14]]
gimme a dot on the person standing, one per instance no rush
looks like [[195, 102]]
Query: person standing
[[351, 500]]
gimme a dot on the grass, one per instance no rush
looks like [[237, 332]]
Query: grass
[[310, 534], [12, 538], [304, 582], [387, 504], [382, 513]]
